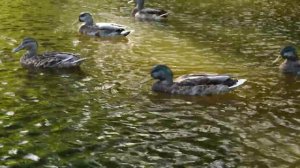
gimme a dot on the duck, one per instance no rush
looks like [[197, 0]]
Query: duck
[[48, 60], [192, 84], [291, 62], [100, 29], [150, 14]]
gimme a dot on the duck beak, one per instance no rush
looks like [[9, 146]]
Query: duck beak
[[155, 75], [20, 47], [279, 58], [131, 1]]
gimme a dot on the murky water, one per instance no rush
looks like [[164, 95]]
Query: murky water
[[105, 116]]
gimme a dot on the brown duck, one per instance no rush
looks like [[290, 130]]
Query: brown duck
[[192, 84], [51, 60]]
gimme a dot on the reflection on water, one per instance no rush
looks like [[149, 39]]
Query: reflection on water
[[105, 115]]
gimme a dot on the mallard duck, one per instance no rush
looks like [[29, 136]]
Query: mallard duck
[[100, 29], [141, 13], [192, 84], [291, 63], [49, 60]]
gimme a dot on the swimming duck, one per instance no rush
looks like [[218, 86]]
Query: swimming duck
[[192, 84], [141, 13], [46, 60], [291, 63], [100, 29]]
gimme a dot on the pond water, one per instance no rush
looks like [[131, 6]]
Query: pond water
[[106, 114]]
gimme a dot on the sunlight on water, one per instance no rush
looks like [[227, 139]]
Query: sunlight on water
[[106, 116]]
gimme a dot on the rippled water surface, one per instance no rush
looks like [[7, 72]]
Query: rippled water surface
[[106, 115]]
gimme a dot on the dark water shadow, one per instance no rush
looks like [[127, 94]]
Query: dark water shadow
[[228, 98], [255, 31], [113, 40]]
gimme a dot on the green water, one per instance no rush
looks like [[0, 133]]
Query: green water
[[106, 116]]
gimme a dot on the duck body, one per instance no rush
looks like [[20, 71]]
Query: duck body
[[51, 60], [100, 29], [291, 62], [47, 60], [290, 67], [192, 84], [149, 14], [104, 30]]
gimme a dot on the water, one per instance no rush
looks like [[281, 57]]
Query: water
[[106, 115]]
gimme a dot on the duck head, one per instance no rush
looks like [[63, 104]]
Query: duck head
[[163, 73], [86, 17], [289, 53], [28, 44], [138, 3]]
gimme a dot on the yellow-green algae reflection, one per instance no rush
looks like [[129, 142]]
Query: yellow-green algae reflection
[[105, 116]]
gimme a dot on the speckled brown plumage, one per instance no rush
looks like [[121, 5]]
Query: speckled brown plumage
[[51, 60], [196, 90]]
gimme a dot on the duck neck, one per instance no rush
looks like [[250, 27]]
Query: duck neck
[[32, 51], [89, 22], [134, 11], [167, 81], [140, 4], [293, 59]]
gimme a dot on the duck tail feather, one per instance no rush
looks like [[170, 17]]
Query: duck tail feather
[[164, 15], [238, 83], [79, 60], [125, 33]]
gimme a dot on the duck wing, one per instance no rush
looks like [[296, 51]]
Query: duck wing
[[110, 26], [205, 79], [59, 60], [151, 11], [204, 84], [111, 29]]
